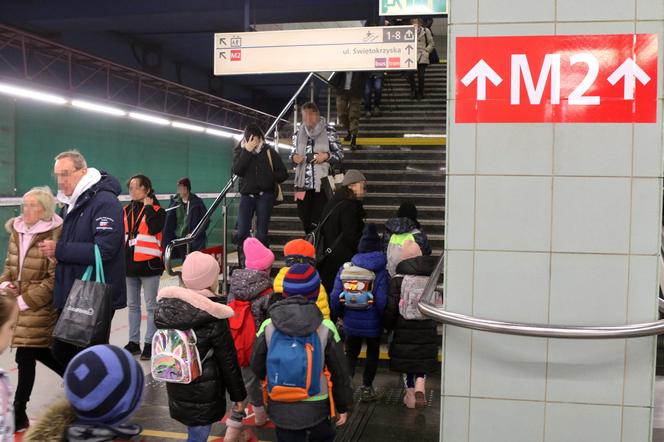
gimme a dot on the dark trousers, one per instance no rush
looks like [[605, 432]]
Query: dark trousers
[[375, 85], [310, 209], [353, 347], [26, 359], [322, 432], [421, 69], [261, 205]]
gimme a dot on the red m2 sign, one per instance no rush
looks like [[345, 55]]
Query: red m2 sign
[[557, 79]]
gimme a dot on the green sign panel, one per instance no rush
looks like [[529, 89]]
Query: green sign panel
[[413, 7]]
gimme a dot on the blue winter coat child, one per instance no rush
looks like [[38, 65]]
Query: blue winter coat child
[[364, 323]]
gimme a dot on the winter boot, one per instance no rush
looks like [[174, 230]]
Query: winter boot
[[409, 398], [420, 393], [260, 416]]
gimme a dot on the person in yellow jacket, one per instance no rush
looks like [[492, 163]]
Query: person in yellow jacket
[[299, 250]]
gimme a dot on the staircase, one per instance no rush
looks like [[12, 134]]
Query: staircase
[[397, 169]]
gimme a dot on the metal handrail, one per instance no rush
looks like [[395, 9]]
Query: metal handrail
[[437, 312], [203, 224]]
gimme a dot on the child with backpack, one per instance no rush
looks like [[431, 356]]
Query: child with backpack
[[300, 251], [359, 298], [249, 295], [399, 229], [192, 321], [414, 347], [300, 355]]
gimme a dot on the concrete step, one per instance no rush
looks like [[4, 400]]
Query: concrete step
[[381, 211], [399, 164]]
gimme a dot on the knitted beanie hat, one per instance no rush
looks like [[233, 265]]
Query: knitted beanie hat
[[104, 384], [408, 210], [370, 241], [199, 271], [299, 247], [257, 256], [303, 280], [410, 249]]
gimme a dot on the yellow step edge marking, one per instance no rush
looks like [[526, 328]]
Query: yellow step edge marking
[[409, 141], [178, 436], [383, 356]]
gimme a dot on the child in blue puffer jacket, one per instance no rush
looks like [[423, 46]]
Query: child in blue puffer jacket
[[360, 302]]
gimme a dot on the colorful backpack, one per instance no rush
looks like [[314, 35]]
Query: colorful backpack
[[358, 285], [394, 250], [175, 357], [294, 366], [412, 288], [243, 329]]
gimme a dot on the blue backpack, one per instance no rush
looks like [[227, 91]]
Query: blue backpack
[[294, 366]]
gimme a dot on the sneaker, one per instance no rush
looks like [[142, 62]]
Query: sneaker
[[367, 114], [376, 112], [133, 348], [147, 352], [368, 394]]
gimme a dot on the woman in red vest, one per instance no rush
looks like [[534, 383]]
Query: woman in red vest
[[143, 220]]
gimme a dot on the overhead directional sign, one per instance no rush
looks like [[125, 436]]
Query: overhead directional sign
[[413, 7], [568, 79], [316, 50]]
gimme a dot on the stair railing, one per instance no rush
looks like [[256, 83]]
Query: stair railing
[[428, 307], [225, 195]]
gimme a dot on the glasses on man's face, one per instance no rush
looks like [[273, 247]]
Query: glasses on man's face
[[63, 175]]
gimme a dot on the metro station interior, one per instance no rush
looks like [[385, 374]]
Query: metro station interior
[[532, 148]]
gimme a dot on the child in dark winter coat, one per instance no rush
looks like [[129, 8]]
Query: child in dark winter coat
[[364, 324], [293, 319], [251, 289], [414, 347], [399, 229], [203, 401]]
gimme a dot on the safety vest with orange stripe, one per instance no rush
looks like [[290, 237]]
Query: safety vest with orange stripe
[[146, 246]]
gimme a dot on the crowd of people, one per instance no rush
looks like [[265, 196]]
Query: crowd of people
[[340, 290]]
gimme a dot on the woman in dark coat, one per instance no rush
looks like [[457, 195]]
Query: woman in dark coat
[[342, 230], [414, 347]]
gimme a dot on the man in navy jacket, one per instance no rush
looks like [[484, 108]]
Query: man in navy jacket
[[92, 215]]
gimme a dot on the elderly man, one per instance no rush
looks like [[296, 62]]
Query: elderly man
[[316, 145], [92, 215]]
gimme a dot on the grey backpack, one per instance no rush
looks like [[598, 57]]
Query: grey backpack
[[412, 288]]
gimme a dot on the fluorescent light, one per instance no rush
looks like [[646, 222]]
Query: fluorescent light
[[424, 136], [98, 108], [220, 133], [185, 126], [34, 95], [149, 118]]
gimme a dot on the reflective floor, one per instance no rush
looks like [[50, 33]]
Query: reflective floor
[[384, 419]]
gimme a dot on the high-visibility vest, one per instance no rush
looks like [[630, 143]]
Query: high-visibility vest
[[146, 246]]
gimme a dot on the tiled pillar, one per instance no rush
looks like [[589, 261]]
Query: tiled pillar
[[551, 224]]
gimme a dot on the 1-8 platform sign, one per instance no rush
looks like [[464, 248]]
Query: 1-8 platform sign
[[579, 78]]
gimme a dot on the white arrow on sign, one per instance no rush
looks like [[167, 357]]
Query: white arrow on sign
[[481, 71], [630, 70]]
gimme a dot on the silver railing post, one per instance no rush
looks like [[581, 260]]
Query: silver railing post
[[224, 216], [329, 100]]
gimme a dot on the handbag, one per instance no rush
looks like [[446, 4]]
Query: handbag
[[278, 194], [433, 55], [315, 238], [86, 317]]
